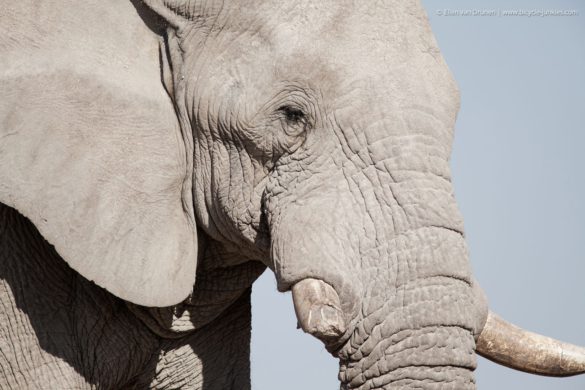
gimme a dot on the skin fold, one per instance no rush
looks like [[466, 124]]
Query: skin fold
[[152, 169]]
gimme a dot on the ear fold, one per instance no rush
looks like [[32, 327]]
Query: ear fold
[[90, 148], [175, 12]]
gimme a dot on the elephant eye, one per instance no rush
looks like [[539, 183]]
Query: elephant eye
[[292, 114], [294, 120]]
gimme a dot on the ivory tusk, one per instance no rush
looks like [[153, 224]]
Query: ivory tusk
[[522, 350], [318, 309]]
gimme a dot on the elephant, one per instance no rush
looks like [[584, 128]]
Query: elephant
[[156, 156]]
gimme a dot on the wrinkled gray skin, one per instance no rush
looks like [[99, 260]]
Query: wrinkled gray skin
[[318, 135]]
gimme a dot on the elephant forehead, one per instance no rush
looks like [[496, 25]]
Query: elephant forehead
[[336, 47]]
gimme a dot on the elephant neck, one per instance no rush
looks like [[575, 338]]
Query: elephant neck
[[223, 277], [61, 326], [216, 356], [66, 332]]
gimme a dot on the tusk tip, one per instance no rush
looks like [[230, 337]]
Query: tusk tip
[[522, 350], [325, 322]]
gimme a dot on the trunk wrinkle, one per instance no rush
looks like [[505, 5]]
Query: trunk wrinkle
[[375, 328]]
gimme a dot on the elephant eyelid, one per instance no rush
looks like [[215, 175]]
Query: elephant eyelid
[[293, 114]]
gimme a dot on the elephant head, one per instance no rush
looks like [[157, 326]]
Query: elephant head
[[312, 137]]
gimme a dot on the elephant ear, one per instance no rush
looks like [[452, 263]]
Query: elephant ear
[[90, 148]]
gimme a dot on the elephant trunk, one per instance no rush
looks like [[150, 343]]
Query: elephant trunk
[[433, 357], [420, 332]]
